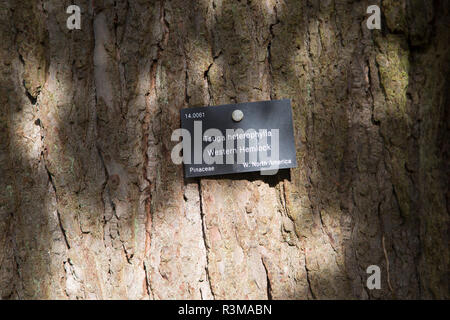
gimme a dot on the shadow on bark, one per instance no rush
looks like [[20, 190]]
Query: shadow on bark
[[359, 197]]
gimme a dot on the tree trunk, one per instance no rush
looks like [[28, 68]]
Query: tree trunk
[[92, 207]]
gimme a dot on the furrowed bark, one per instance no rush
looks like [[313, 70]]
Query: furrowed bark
[[92, 206]]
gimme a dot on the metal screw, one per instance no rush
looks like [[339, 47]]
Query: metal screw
[[237, 115]]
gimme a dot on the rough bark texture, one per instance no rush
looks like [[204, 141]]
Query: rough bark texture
[[91, 205]]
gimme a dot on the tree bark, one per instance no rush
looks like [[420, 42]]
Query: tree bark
[[92, 207]]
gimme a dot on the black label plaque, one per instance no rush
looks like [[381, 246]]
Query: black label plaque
[[214, 143]]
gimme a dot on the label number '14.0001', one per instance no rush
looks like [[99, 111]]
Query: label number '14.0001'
[[195, 115]]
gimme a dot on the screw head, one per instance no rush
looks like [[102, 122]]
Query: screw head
[[237, 115]]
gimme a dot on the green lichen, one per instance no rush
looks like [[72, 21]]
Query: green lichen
[[393, 63]]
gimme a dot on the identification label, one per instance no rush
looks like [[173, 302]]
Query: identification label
[[234, 138]]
